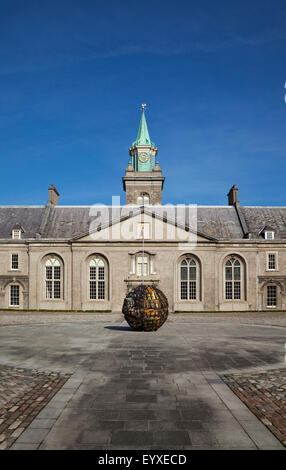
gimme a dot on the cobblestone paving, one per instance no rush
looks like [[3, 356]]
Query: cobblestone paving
[[264, 393], [23, 394]]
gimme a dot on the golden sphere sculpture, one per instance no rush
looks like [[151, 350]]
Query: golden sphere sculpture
[[145, 308]]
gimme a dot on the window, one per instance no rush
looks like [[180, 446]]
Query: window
[[272, 261], [188, 279], [53, 280], [97, 279], [143, 199], [233, 279], [142, 264], [269, 235], [271, 296], [14, 261], [16, 234], [14, 296]]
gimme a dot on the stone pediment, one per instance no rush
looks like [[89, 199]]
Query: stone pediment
[[142, 223]]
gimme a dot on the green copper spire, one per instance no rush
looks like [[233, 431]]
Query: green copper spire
[[143, 137]]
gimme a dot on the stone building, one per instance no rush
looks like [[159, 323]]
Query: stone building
[[204, 258]]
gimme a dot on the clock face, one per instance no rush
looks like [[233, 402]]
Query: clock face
[[143, 157]]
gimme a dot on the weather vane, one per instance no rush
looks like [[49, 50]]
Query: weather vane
[[143, 107]]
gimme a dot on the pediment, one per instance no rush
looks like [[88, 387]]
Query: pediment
[[141, 224]]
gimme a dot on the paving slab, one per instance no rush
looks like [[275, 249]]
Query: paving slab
[[145, 390]]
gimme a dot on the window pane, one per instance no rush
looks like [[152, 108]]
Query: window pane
[[228, 290], [14, 263], [49, 290], [14, 295], [271, 261], [228, 273], [101, 272], [57, 272], [57, 290], [271, 296], [236, 290], [236, 273], [92, 273], [193, 291], [92, 290], [184, 273], [184, 290], [49, 272], [192, 273], [101, 290]]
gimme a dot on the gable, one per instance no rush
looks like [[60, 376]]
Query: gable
[[132, 228]]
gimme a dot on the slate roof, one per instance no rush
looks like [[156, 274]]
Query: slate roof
[[28, 217], [257, 218], [68, 222]]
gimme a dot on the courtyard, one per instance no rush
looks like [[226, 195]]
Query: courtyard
[[87, 381]]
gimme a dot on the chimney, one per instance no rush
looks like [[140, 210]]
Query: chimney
[[53, 195], [232, 196]]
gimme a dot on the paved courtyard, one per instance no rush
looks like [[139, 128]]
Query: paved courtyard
[[199, 382]]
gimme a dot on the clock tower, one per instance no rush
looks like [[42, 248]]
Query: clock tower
[[143, 181]]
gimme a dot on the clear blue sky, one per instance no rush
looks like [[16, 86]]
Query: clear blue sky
[[73, 75]]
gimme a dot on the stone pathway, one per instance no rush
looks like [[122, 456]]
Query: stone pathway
[[23, 394], [264, 393], [136, 390]]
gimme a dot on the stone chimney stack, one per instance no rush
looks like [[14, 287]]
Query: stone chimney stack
[[53, 195], [232, 196]]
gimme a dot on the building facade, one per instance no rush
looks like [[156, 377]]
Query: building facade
[[204, 258]]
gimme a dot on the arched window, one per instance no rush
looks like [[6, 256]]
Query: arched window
[[233, 279], [53, 279], [97, 279], [189, 279], [143, 199]]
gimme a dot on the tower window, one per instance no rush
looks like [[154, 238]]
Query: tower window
[[143, 199]]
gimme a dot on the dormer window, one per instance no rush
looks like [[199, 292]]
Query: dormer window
[[269, 235], [16, 234]]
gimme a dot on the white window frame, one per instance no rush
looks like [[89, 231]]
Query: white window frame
[[276, 260], [233, 281], [10, 295], [197, 281], [14, 254], [269, 235], [53, 261], [276, 295], [16, 234], [145, 264], [97, 262]]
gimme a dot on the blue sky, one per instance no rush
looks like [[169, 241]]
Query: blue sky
[[73, 75]]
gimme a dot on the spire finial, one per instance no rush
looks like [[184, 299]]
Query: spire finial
[[143, 106]]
